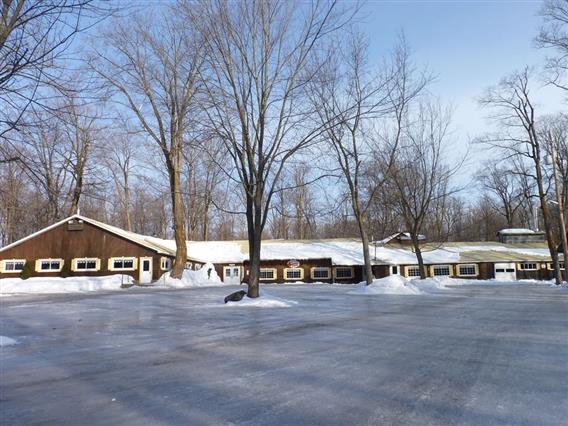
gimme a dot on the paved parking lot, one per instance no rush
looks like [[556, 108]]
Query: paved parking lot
[[476, 355]]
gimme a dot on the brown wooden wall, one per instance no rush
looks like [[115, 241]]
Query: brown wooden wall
[[90, 241]]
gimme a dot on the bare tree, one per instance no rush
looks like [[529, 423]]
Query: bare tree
[[516, 114], [554, 35], [34, 34], [420, 177], [120, 156], [154, 67], [352, 98], [503, 184], [261, 56]]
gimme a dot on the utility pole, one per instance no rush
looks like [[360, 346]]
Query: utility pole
[[560, 206]]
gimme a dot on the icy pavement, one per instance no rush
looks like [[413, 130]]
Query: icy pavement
[[476, 355]]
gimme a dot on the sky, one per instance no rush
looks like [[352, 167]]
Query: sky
[[468, 45]]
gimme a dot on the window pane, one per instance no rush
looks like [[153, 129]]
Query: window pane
[[441, 271], [322, 273], [343, 272]]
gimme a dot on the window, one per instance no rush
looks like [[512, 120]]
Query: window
[[321, 273], [49, 265], [188, 265], [412, 271], [13, 266], [528, 266], [560, 263], [122, 264], [343, 272], [467, 270], [86, 264], [165, 263], [441, 270], [293, 273], [267, 274], [394, 270]]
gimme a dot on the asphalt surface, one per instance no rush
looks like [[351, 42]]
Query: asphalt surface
[[470, 356]]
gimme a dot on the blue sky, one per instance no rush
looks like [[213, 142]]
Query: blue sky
[[469, 45]]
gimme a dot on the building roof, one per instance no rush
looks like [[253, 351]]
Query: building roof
[[341, 251], [155, 244], [518, 231]]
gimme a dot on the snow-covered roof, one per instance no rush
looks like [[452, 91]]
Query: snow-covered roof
[[350, 252], [341, 251], [401, 236], [148, 242], [516, 231]]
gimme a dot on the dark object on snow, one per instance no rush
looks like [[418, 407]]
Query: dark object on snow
[[209, 273], [236, 296]]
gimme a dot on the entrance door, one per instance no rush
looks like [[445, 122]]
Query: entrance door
[[505, 272], [232, 275], [145, 270]]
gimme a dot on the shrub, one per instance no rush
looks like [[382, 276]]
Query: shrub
[[26, 271], [66, 270]]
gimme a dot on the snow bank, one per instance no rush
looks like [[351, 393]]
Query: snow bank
[[7, 341], [190, 278], [45, 285], [264, 301], [435, 283], [394, 284]]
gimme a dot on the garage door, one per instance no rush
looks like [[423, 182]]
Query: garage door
[[505, 272]]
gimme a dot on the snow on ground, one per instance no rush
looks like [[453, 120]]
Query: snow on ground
[[49, 285], [394, 284], [204, 277], [264, 301], [7, 341]]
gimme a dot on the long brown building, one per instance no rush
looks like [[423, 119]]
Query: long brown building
[[79, 246]]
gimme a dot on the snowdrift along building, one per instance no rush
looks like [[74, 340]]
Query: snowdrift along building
[[82, 246]]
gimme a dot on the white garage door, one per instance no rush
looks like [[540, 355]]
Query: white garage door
[[505, 272]]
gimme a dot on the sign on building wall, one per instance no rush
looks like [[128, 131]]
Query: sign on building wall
[[293, 263]]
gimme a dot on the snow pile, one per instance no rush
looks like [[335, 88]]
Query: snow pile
[[436, 283], [6, 341], [264, 301], [45, 285], [394, 284], [200, 278]]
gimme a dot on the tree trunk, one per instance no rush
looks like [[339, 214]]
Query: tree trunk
[[178, 216], [77, 191], [547, 223], [205, 219], [254, 238], [419, 258], [127, 203], [366, 255], [559, 201]]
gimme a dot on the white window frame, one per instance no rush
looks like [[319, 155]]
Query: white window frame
[[264, 270], [111, 261], [562, 265], [433, 268], [522, 266], [165, 263], [15, 271], [74, 262], [351, 272], [411, 267], [468, 265], [286, 270], [38, 263], [320, 269]]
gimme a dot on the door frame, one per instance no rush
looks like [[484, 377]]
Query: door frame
[[230, 268], [141, 271]]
